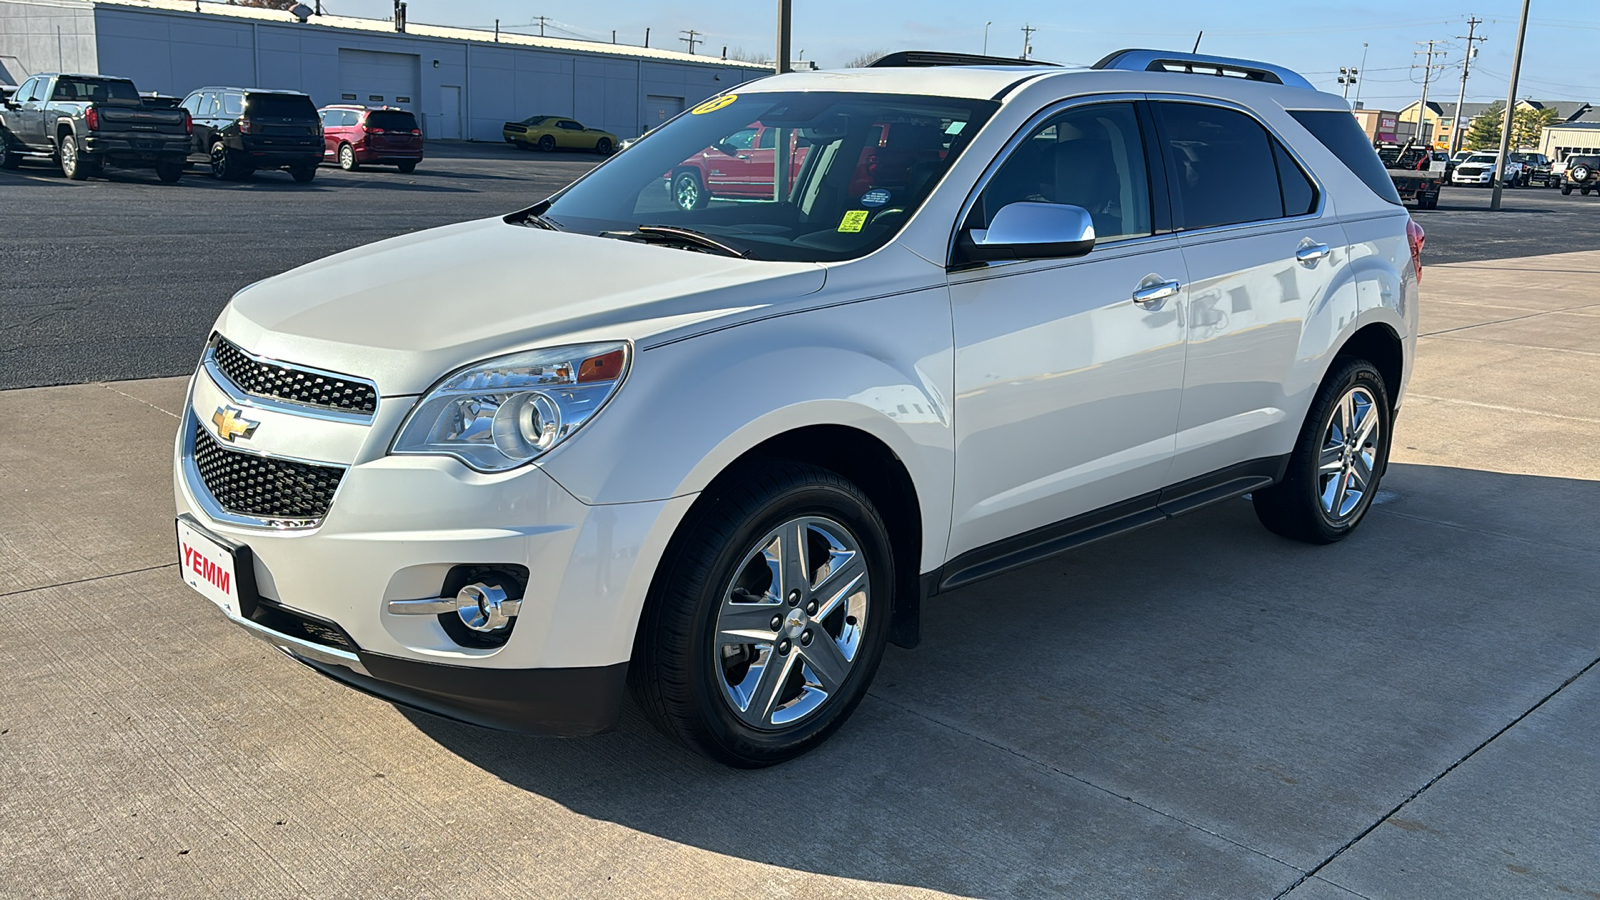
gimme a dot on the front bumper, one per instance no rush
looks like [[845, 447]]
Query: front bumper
[[396, 528], [1459, 178]]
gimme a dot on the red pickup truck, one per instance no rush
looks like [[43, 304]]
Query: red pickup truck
[[742, 167]]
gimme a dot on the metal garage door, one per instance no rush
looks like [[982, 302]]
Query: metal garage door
[[658, 109], [379, 79]]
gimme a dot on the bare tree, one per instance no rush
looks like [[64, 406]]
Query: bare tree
[[266, 4], [862, 60], [750, 56]]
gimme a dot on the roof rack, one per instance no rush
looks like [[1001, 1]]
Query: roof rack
[[929, 58], [1195, 64]]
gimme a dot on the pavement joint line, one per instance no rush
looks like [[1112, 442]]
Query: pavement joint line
[[1444, 336], [1342, 888], [1084, 781], [1499, 534], [1500, 408], [1532, 315], [46, 587], [138, 400], [1435, 780]]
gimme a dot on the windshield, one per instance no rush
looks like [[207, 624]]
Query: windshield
[[814, 177], [1481, 158], [101, 91]]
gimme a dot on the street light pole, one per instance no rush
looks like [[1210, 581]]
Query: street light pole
[[1511, 109], [986, 37], [1363, 68]]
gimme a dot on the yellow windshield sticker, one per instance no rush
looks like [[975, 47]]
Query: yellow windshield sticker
[[714, 104], [853, 220]]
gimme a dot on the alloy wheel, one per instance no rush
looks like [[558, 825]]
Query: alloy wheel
[[687, 194], [1349, 454], [69, 156], [789, 626]]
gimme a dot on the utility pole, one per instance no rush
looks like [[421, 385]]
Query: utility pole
[[785, 14], [1363, 67], [1027, 40], [1466, 63], [541, 20], [692, 38], [1427, 76], [1511, 108], [497, 31]]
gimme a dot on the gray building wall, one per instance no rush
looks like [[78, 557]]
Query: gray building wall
[[45, 36], [458, 88]]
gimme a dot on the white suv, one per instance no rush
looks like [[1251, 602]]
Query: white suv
[[940, 322]]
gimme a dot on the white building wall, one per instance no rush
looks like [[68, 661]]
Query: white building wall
[[46, 36], [174, 52]]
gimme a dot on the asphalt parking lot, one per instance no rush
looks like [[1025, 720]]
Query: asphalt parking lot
[[1197, 710]]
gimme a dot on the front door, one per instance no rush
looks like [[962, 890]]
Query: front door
[[30, 114], [449, 112], [1067, 390]]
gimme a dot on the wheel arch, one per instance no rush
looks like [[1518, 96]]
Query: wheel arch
[[1379, 344]]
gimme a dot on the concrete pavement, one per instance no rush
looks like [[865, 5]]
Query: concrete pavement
[[1198, 710]]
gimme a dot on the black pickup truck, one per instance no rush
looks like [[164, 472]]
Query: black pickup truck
[[84, 122]]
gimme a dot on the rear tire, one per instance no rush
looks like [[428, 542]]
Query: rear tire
[[1566, 190], [347, 158], [74, 164], [708, 668], [406, 168], [547, 143], [303, 174], [169, 173], [225, 164], [1338, 461]]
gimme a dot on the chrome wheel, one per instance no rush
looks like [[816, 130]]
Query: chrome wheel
[[1349, 454], [686, 192], [789, 626]]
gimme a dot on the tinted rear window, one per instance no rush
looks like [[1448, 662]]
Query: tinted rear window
[[1590, 161], [1224, 166], [1342, 135], [106, 92], [391, 120], [288, 106]]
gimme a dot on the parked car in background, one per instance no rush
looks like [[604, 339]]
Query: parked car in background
[[1536, 169], [722, 454], [555, 133], [1416, 174], [240, 130], [84, 122], [354, 136], [1479, 168], [1582, 173]]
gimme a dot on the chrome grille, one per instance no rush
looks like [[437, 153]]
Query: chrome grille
[[275, 489], [266, 378]]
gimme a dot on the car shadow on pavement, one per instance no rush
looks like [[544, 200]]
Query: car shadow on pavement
[[1192, 702]]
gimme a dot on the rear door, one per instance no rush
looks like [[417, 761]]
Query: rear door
[[1263, 250]]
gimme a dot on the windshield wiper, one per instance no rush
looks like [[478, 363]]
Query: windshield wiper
[[671, 234], [533, 217]]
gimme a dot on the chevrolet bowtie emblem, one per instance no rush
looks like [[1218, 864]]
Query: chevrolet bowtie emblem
[[230, 424]]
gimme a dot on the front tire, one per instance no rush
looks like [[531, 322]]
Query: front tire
[[1566, 189], [1337, 462], [688, 192], [768, 617], [603, 146], [9, 158]]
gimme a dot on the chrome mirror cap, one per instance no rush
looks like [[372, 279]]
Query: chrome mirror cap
[[1031, 230]]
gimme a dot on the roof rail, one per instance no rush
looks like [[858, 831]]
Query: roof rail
[[1195, 64], [930, 58]]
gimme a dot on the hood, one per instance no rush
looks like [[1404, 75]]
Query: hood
[[405, 311]]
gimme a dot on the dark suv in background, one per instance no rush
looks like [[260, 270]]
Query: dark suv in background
[[240, 130]]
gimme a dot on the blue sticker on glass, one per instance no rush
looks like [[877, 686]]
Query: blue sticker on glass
[[875, 197]]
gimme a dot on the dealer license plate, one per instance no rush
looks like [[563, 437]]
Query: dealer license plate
[[208, 566]]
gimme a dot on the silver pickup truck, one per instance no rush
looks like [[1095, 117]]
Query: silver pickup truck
[[83, 122]]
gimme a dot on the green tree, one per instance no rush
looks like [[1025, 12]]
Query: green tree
[[1484, 132], [1528, 125]]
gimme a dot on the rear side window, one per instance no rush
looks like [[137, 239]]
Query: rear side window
[[285, 106], [1299, 194], [1342, 135], [1223, 165], [391, 120]]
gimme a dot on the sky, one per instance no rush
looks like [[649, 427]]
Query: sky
[[1314, 38]]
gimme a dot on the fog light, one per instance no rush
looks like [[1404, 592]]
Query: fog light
[[484, 608]]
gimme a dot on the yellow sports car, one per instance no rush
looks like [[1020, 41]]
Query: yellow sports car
[[554, 132]]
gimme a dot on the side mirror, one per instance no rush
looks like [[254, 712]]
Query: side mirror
[[1031, 230], [12, 104]]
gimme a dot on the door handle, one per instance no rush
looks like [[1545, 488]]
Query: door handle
[[741, 156], [1310, 251], [1152, 293]]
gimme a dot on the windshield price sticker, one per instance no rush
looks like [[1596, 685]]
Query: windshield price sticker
[[853, 220], [714, 104]]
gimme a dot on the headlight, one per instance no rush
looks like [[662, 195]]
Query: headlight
[[501, 413]]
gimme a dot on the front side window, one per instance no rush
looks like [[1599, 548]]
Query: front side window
[[570, 126], [1223, 166], [842, 172], [1090, 156]]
